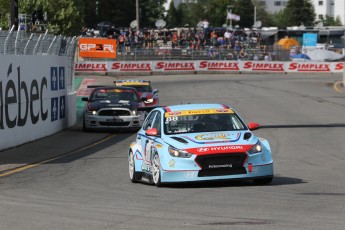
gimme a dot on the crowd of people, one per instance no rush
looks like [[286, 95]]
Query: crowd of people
[[212, 40]]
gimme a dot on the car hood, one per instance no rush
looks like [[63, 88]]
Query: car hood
[[102, 104], [213, 142]]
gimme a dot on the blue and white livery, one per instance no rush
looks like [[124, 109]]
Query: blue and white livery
[[198, 142]]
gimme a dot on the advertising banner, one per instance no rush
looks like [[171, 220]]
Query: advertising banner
[[33, 98], [97, 48], [218, 66], [163, 66], [89, 66], [312, 67], [209, 66], [139, 66], [263, 66]]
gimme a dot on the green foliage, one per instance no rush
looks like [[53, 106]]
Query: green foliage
[[172, 16], [64, 16], [245, 9], [330, 21], [262, 15], [4, 13], [299, 12]]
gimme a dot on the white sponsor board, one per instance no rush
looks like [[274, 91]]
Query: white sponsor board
[[211, 65], [170, 66], [33, 98], [91, 66], [140, 66]]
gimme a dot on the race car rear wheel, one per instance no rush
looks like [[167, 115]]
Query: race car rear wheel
[[133, 175], [263, 181], [156, 171]]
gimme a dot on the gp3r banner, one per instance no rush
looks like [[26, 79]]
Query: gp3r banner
[[97, 48]]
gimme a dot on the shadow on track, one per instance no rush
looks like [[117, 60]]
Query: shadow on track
[[334, 125], [277, 181]]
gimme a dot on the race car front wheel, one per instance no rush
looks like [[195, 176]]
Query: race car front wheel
[[156, 171], [133, 175]]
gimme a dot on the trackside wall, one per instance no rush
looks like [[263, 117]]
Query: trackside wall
[[205, 66], [34, 98]]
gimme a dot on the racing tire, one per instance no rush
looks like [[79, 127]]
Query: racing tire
[[84, 126], [263, 181], [156, 171], [133, 175]]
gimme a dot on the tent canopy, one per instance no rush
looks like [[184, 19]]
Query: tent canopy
[[287, 43]]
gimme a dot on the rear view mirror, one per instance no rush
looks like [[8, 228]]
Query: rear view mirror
[[253, 126]]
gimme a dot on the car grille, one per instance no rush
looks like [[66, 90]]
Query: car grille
[[112, 112], [221, 164], [114, 123]]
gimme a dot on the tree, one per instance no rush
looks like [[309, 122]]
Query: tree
[[245, 9], [151, 11], [330, 21], [64, 16], [262, 15], [172, 16], [299, 12], [4, 13]]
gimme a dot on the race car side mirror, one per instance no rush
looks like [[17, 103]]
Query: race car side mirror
[[155, 91], [253, 126], [84, 99], [151, 132]]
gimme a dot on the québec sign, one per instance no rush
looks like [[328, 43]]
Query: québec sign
[[23, 100]]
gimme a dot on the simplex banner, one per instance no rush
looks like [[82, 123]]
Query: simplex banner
[[221, 66]]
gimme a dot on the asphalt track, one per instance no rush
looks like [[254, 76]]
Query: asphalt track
[[76, 180]]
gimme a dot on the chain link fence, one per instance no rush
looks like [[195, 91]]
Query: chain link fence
[[21, 42], [208, 53]]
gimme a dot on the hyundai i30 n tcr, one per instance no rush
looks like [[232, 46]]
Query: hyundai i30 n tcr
[[198, 142]]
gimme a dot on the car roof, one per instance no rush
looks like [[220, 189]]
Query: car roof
[[115, 87], [132, 82], [172, 108]]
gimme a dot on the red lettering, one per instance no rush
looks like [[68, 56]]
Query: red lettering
[[247, 65], [115, 65], [339, 66], [203, 64]]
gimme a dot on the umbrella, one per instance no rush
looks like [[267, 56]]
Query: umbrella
[[287, 42], [324, 55], [300, 56], [105, 24]]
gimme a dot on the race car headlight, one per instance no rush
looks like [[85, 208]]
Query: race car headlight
[[179, 153], [149, 100], [92, 112], [256, 148]]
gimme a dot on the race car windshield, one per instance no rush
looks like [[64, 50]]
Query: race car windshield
[[142, 88], [115, 94], [202, 123]]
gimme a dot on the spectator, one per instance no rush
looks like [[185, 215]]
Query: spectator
[[127, 44], [242, 55], [206, 24], [213, 53]]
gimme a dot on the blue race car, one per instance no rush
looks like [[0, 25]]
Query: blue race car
[[198, 142]]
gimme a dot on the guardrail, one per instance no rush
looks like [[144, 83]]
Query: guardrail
[[37, 95], [21, 42]]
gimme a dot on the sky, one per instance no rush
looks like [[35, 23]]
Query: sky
[[167, 4]]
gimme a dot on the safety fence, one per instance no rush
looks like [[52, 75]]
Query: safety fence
[[21, 42], [167, 53], [37, 95]]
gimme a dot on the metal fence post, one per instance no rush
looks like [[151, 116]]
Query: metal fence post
[[6, 41]]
